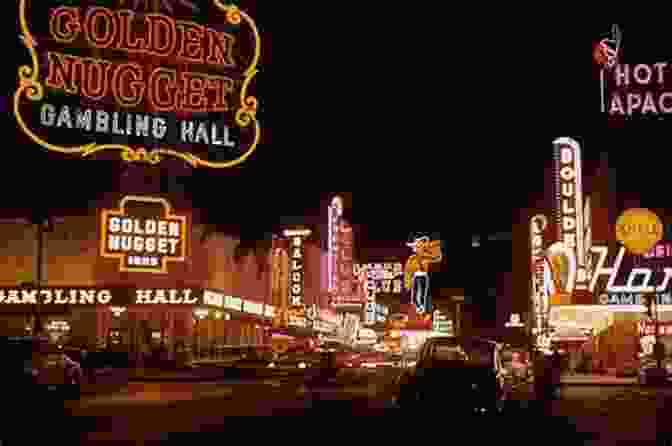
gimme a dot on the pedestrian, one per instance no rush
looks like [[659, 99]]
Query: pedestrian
[[556, 373], [86, 363], [541, 376]]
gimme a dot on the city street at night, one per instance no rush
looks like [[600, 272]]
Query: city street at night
[[179, 259], [601, 415]]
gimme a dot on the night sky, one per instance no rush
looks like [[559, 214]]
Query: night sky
[[432, 123]]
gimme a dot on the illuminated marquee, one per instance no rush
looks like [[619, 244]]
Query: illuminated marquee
[[296, 269], [639, 280], [143, 235], [146, 83], [56, 296], [117, 297]]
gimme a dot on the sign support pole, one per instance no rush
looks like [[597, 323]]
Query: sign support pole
[[40, 221]]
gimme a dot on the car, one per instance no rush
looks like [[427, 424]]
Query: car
[[368, 360], [57, 371], [649, 372], [46, 371], [467, 372]]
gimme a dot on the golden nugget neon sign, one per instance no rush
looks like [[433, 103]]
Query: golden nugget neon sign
[[143, 243], [153, 87]]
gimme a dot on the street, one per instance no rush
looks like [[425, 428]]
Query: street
[[597, 415]]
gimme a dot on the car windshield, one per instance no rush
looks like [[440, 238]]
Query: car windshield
[[448, 353], [469, 352]]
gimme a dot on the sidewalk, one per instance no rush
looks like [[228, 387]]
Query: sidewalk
[[596, 380], [108, 380]]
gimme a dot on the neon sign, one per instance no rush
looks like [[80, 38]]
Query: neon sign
[[296, 267], [638, 89], [660, 251], [571, 211], [335, 215], [142, 240], [540, 296], [640, 280], [147, 84], [381, 278], [416, 271]]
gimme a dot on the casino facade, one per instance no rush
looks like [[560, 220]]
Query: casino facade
[[137, 271], [586, 288]]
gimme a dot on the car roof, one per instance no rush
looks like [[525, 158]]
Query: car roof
[[461, 339]]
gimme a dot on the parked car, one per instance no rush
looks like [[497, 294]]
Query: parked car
[[41, 368], [465, 373], [649, 371]]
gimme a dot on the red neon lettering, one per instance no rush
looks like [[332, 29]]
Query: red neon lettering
[[127, 39], [191, 42], [156, 23], [64, 24], [153, 34], [193, 92], [62, 72], [135, 86], [168, 78], [94, 83], [92, 21], [221, 87], [220, 48]]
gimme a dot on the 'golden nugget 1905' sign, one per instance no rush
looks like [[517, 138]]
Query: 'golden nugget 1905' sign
[[143, 235], [168, 80]]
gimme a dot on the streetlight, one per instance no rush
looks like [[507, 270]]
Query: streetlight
[[199, 315]]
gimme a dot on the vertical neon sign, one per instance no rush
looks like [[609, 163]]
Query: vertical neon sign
[[297, 264], [538, 225], [335, 214], [570, 207]]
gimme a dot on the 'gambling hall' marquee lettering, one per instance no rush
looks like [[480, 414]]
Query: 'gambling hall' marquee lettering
[[100, 296], [142, 243], [56, 296], [159, 71]]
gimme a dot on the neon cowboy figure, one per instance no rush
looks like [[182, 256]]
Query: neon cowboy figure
[[416, 271]]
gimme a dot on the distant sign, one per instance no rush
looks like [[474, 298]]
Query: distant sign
[[381, 278]]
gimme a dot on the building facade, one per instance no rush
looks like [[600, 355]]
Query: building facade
[[602, 311], [208, 297]]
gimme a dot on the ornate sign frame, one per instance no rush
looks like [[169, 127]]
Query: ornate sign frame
[[32, 88]]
